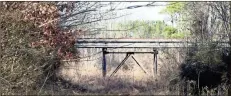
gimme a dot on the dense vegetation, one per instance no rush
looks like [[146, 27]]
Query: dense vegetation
[[32, 46], [208, 66], [151, 29], [36, 36]]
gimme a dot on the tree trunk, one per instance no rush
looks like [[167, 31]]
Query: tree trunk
[[229, 63]]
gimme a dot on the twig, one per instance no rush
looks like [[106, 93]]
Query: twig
[[43, 84]]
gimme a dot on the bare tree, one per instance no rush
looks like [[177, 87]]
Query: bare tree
[[90, 15]]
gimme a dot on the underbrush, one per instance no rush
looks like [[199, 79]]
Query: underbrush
[[76, 78], [23, 69]]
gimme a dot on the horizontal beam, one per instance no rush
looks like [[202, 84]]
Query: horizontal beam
[[127, 41], [140, 43], [131, 52]]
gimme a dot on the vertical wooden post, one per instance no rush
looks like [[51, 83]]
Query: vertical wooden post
[[178, 57], [155, 52], [154, 62], [104, 64]]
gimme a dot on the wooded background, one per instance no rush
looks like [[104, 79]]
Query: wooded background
[[37, 36]]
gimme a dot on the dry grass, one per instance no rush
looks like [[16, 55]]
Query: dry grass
[[130, 79], [85, 76]]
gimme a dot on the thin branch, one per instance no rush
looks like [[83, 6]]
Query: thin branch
[[93, 21]]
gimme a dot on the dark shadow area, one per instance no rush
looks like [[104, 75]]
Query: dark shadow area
[[205, 74]]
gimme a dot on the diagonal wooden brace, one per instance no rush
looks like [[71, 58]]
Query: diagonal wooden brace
[[127, 56], [139, 64]]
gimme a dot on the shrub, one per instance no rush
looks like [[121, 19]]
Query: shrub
[[207, 66]]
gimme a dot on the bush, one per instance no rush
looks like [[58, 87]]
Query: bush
[[207, 66], [22, 68], [171, 32]]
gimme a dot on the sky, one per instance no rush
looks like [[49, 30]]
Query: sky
[[143, 13]]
